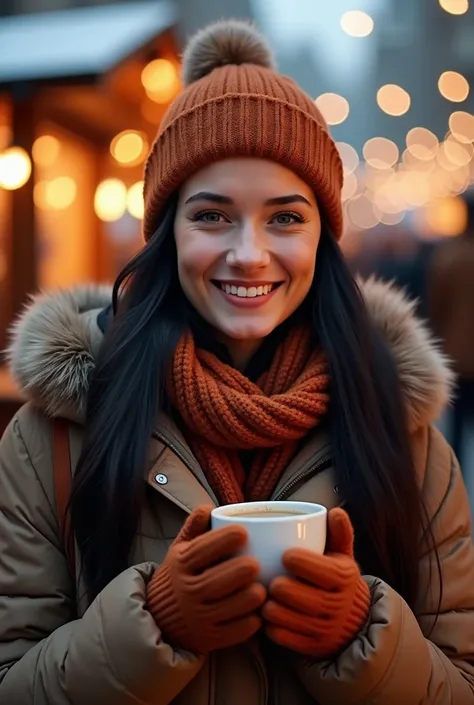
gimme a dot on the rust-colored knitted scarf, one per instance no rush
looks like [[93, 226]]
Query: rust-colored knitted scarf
[[224, 413]]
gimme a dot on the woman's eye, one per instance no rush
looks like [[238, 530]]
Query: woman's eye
[[209, 217], [287, 218]]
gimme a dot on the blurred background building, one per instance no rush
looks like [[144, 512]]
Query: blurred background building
[[84, 85]]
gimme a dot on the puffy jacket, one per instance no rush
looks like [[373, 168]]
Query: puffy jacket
[[54, 650]]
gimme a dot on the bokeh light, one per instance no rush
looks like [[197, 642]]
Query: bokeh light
[[15, 168], [393, 100], [453, 86], [447, 216], [422, 143], [110, 200], [349, 156], [350, 186], [45, 150], [57, 194], [334, 108], [461, 125], [380, 153], [135, 202], [129, 147], [361, 213], [161, 80], [356, 23], [455, 7]]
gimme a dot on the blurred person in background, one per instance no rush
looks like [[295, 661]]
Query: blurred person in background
[[451, 311], [239, 361]]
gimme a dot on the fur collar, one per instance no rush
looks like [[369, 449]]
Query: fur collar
[[55, 342]]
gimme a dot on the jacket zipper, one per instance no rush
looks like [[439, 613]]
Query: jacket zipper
[[322, 464]]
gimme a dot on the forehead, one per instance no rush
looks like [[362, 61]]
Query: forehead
[[246, 179]]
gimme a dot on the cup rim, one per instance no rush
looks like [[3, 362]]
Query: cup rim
[[308, 509]]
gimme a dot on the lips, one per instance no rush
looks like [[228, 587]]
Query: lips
[[249, 291]]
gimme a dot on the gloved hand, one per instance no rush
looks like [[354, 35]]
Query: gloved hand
[[203, 597], [323, 604]]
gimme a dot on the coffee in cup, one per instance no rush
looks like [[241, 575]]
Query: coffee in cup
[[273, 527]]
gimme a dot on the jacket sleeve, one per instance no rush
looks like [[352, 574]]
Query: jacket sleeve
[[400, 656], [114, 654]]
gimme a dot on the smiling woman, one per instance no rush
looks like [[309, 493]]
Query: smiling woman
[[235, 360], [245, 260]]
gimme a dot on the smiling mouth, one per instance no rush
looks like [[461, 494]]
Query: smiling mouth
[[246, 292]]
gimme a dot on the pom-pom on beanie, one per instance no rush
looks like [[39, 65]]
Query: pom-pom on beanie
[[236, 104]]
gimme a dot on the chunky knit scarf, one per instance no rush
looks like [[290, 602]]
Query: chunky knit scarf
[[225, 413]]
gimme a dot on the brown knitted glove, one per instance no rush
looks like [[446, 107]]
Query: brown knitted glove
[[319, 610], [203, 597]]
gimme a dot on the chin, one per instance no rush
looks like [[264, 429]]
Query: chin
[[247, 333]]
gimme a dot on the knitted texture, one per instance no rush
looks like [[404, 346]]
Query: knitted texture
[[242, 110], [322, 607], [201, 597], [225, 412]]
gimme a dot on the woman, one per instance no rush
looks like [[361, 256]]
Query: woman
[[239, 361]]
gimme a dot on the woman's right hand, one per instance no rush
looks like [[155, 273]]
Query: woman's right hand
[[203, 597]]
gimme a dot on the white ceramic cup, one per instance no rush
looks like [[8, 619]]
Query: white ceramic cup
[[273, 527]]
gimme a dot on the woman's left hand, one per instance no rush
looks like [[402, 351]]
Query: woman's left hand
[[324, 602]]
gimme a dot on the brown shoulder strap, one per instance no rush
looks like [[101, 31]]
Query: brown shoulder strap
[[62, 486]]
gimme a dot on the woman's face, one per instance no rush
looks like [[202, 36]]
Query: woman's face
[[247, 232]]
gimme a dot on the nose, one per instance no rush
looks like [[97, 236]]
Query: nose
[[249, 249]]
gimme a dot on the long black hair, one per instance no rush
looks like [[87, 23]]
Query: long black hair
[[370, 441]]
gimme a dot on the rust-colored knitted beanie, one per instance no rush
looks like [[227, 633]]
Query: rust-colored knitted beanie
[[236, 104]]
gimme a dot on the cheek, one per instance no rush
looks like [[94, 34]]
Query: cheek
[[196, 254], [299, 259]]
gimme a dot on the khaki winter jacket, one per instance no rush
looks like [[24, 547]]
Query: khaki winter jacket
[[54, 651]]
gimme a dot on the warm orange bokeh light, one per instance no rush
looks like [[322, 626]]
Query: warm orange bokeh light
[[349, 156], [110, 200], [393, 100], [129, 147], [334, 108], [15, 168], [453, 86], [356, 23], [380, 153], [45, 150], [135, 202], [455, 7], [161, 80]]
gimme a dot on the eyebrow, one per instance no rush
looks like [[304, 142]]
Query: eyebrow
[[225, 200]]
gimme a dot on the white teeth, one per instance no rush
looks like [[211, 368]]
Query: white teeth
[[245, 292]]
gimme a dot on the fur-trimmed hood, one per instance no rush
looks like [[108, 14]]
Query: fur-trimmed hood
[[55, 342]]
